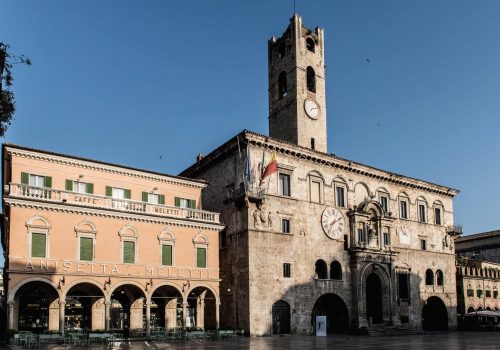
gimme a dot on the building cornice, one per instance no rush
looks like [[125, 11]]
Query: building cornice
[[77, 162], [110, 214], [290, 149]]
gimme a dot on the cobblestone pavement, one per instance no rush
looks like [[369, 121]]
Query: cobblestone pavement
[[440, 341]]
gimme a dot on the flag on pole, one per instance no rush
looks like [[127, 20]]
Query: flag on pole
[[248, 167], [271, 168]]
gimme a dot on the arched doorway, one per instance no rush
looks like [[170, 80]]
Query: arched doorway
[[335, 310], [434, 315], [126, 312], [281, 317], [85, 307], [374, 305], [166, 308], [201, 312], [35, 301], [470, 309]]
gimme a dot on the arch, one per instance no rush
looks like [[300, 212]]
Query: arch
[[166, 306], [470, 309], [335, 309], [207, 287], [202, 302], [422, 199], [317, 174], [83, 280], [282, 85], [488, 308], [38, 221], [128, 231], [384, 191], [385, 279], [127, 306], [166, 284], [340, 180], [12, 293], [86, 226], [281, 317], [166, 235], [438, 203], [85, 306], [429, 277], [310, 44], [480, 309], [200, 239], [374, 306], [434, 315], [361, 193], [311, 79], [335, 270], [439, 277], [321, 269]]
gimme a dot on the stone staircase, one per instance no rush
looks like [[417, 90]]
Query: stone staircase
[[391, 330]]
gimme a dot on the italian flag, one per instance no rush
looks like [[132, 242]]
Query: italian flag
[[271, 168]]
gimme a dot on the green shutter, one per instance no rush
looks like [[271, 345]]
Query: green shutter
[[201, 257], [69, 185], [48, 181], [177, 202], [25, 178], [90, 188], [144, 196], [129, 252], [86, 249], [193, 204], [38, 245], [109, 191], [166, 255], [127, 194], [161, 199]]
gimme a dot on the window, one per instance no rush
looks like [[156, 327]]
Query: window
[[384, 203], [361, 235], [423, 244], [422, 212], [166, 254], [429, 278], [310, 44], [284, 184], [128, 252], [488, 293], [479, 293], [340, 196], [335, 270], [386, 236], [470, 292], [86, 249], [315, 191], [313, 146], [403, 286], [36, 180], [223, 238], [321, 270], [38, 245], [282, 85], [118, 194], [285, 225], [437, 216], [403, 209], [201, 257], [439, 277], [346, 242], [311, 79], [287, 270], [79, 187], [495, 294], [185, 203], [153, 198]]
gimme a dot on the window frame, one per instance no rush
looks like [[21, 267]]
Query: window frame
[[438, 217], [167, 244], [423, 244], [422, 214], [319, 181], [205, 248], [128, 233], [166, 238], [288, 225], [85, 236], [343, 187], [385, 196], [43, 229], [287, 267], [281, 189], [406, 200]]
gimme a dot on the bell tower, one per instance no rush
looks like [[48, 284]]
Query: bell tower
[[297, 102]]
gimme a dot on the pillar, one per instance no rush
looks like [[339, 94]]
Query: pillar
[[217, 305], [10, 316], [184, 314], [107, 314], [148, 317], [62, 309]]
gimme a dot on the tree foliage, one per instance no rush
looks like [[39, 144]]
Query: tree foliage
[[7, 101]]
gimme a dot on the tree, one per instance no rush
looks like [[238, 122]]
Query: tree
[[7, 102]]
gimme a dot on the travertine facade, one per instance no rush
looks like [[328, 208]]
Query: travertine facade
[[100, 246], [480, 246], [323, 235]]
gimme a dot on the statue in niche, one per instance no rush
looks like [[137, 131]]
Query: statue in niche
[[262, 214], [270, 220], [372, 233], [256, 218]]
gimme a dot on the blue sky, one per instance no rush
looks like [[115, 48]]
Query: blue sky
[[130, 81]]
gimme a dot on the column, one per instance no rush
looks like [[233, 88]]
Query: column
[[62, 309], [184, 314], [107, 314], [148, 317], [217, 306], [10, 315]]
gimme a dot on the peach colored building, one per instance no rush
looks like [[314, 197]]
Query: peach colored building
[[100, 246]]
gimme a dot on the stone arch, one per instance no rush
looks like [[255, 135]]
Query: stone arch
[[310, 44], [335, 270], [317, 174], [200, 239], [376, 275], [470, 309], [134, 283], [14, 290], [207, 287], [202, 302], [361, 193], [384, 190], [336, 311], [434, 315], [86, 226], [166, 235], [128, 231], [85, 302], [429, 277], [341, 180], [280, 313], [311, 79], [165, 284], [38, 221], [84, 280], [166, 301], [439, 278], [321, 269]]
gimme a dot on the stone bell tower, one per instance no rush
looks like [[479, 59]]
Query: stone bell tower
[[297, 102]]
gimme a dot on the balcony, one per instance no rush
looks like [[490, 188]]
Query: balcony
[[102, 202], [454, 230]]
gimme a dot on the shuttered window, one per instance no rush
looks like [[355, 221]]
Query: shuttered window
[[201, 257], [166, 254], [38, 245], [185, 203], [86, 249], [128, 252]]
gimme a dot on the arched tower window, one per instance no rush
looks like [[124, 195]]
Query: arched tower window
[[321, 269], [429, 277], [311, 79], [439, 277], [335, 270], [310, 44], [282, 85]]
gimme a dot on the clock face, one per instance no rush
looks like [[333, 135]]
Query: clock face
[[332, 222], [312, 108]]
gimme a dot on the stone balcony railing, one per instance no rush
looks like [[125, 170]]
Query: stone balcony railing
[[96, 201]]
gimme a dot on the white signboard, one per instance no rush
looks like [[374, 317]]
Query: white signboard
[[404, 236], [321, 326]]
